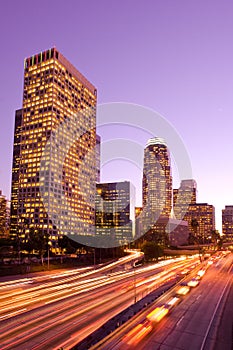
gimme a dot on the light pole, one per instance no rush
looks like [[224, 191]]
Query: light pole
[[94, 259], [19, 240], [134, 279], [49, 243]]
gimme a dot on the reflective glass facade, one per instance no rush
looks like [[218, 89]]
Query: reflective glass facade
[[205, 215], [157, 182], [3, 215], [183, 197], [55, 94], [115, 211], [15, 174], [227, 223]]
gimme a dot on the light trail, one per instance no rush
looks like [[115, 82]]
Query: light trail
[[106, 289]]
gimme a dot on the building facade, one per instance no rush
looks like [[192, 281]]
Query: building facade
[[98, 144], [183, 197], [201, 220], [227, 223], [3, 215], [115, 213], [54, 160], [15, 175], [138, 222], [178, 232], [157, 183]]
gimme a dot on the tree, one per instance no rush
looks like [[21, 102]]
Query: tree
[[194, 225], [30, 243], [220, 243], [70, 249], [215, 237], [38, 240], [41, 240], [151, 251], [63, 243]]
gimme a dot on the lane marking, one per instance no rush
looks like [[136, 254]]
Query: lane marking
[[214, 313], [177, 324]]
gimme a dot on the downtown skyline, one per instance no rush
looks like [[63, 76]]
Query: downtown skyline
[[175, 59]]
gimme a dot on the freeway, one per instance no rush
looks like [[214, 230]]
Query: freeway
[[50, 314], [180, 321]]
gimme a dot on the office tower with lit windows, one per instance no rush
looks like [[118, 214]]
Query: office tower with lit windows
[[157, 183], [204, 215], [115, 212], [138, 222], [183, 197], [54, 167], [98, 143], [3, 215], [15, 175], [227, 223]]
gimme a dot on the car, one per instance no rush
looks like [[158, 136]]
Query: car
[[157, 314], [201, 273], [172, 302], [183, 290], [137, 333], [193, 282]]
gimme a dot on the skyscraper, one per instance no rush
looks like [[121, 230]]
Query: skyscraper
[[183, 197], [227, 223], [98, 142], [15, 174], [204, 215], [3, 215], [157, 182], [115, 213], [53, 182]]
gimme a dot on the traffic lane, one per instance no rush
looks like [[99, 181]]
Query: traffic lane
[[69, 335], [46, 323], [224, 338], [14, 304], [118, 338], [52, 332], [7, 281], [36, 318], [127, 300], [186, 326], [79, 306], [38, 296]]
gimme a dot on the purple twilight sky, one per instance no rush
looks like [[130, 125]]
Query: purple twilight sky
[[174, 56]]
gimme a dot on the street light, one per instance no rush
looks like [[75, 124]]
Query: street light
[[18, 247], [94, 259], [134, 279], [49, 244]]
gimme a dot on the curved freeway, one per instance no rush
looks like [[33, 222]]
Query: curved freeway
[[61, 312], [187, 320]]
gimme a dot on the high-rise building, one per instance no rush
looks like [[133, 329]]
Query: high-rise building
[[183, 197], [3, 215], [8, 213], [227, 223], [54, 161], [98, 141], [115, 212], [157, 183], [15, 174], [204, 216], [138, 222]]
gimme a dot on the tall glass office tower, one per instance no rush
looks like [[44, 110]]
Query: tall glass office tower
[[54, 158], [157, 183]]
